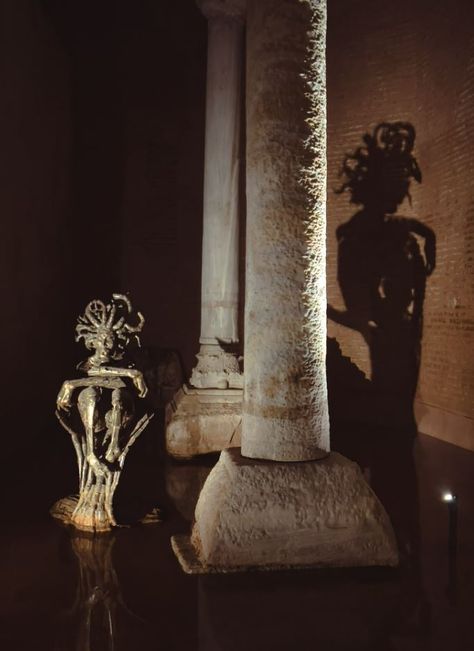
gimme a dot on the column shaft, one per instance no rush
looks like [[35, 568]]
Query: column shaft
[[254, 513], [220, 249], [285, 415]]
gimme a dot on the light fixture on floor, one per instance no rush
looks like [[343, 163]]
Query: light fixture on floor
[[449, 497]]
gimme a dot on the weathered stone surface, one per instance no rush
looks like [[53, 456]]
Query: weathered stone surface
[[285, 415], [199, 421], [272, 515]]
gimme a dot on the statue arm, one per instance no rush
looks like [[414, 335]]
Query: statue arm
[[349, 320], [134, 374], [417, 227], [63, 401]]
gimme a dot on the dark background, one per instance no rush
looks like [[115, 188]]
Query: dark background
[[102, 118], [102, 136]]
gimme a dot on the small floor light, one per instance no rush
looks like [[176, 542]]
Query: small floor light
[[452, 501], [449, 497]]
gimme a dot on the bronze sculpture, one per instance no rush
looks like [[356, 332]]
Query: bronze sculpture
[[101, 420]]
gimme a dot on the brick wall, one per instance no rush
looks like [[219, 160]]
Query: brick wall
[[414, 61]]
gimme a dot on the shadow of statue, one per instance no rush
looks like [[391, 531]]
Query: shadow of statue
[[384, 260]]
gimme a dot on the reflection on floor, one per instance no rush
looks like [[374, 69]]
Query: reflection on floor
[[60, 590]]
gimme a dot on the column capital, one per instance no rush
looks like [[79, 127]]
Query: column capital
[[229, 9]]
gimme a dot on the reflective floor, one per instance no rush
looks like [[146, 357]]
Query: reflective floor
[[61, 590]]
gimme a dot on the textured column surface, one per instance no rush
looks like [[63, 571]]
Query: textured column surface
[[285, 415], [220, 246], [264, 512]]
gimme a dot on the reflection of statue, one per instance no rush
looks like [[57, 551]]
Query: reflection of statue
[[107, 426], [99, 603], [383, 262]]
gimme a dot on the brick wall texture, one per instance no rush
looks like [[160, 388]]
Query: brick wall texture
[[413, 60]]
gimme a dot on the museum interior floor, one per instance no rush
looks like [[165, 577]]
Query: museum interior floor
[[61, 590]]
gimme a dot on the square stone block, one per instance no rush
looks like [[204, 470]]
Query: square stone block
[[199, 421], [270, 515]]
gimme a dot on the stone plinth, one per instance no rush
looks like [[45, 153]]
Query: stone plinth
[[267, 515], [199, 421]]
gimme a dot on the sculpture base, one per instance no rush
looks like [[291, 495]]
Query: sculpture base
[[199, 421], [64, 508], [270, 515]]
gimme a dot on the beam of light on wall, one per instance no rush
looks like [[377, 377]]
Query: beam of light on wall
[[314, 180]]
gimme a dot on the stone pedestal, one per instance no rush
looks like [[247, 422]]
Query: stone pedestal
[[276, 515], [199, 421]]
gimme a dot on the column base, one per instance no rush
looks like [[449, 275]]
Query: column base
[[199, 421], [268, 515], [216, 368]]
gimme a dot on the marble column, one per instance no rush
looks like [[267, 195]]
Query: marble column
[[205, 416], [217, 367], [256, 509]]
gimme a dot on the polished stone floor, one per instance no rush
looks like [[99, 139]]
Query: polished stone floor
[[60, 590]]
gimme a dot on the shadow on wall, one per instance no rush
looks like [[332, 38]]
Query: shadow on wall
[[384, 260], [383, 263]]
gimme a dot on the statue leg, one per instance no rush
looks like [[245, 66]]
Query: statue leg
[[91, 513], [115, 421], [86, 404]]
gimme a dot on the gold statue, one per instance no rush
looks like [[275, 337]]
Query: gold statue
[[106, 426]]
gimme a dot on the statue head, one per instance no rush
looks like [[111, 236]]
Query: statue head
[[378, 174], [106, 331]]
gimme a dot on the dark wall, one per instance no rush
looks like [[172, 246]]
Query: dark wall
[[164, 81], [138, 92], [35, 207], [102, 118]]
